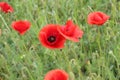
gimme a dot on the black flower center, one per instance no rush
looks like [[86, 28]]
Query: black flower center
[[51, 39]]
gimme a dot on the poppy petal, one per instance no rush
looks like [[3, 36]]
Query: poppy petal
[[56, 74], [21, 26], [50, 37], [71, 31], [97, 18], [5, 7]]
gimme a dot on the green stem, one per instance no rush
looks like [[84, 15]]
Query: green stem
[[4, 22], [98, 40]]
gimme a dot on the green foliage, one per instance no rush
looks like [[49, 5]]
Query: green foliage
[[95, 57]]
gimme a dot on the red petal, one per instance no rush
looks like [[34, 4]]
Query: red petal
[[5, 7], [97, 18], [73, 33], [51, 30], [56, 74], [21, 26]]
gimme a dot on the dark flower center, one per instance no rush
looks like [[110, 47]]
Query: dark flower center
[[51, 39]]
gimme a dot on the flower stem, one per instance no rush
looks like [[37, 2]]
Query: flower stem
[[4, 22]]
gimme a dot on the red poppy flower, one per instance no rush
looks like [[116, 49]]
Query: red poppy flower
[[5, 7], [71, 31], [21, 26], [56, 74], [97, 18], [50, 37]]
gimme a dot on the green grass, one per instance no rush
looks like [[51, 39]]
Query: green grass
[[95, 57]]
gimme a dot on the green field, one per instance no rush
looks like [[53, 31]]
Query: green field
[[95, 57]]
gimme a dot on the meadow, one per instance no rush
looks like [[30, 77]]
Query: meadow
[[95, 57]]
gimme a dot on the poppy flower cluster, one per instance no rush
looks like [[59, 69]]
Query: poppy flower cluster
[[54, 36]]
